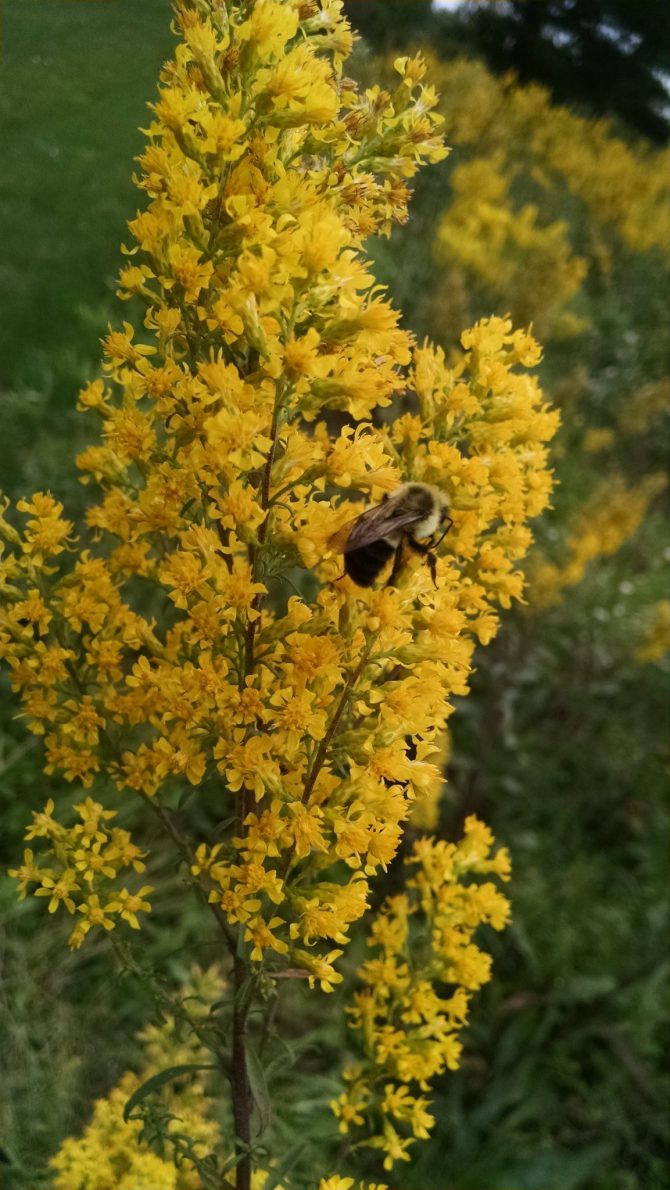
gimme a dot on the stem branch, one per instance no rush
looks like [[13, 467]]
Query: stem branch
[[322, 750]]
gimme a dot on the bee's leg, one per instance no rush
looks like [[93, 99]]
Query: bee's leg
[[397, 566], [427, 553]]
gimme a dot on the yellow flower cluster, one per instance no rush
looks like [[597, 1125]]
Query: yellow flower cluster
[[643, 412], [645, 407], [84, 864], [156, 645], [609, 519], [525, 263], [338, 1183], [426, 808], [622, 186], [523, 159], [110, 1152], [656, 643], [417, 987]]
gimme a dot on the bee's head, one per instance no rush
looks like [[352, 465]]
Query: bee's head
[[444, 508]]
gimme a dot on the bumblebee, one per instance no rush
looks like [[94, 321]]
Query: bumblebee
[[408, 517]]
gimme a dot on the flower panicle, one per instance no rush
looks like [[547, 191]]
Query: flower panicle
[[159, 645], [416, 989]]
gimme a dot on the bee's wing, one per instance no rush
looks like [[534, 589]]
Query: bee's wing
[[340, 538], [371, 525]]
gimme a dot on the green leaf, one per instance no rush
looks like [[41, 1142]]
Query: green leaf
[[225, 1002], [223, 825], [183, 799], [259, 1088], [241, 948], [159, 1080], [277, 1172], [231, 1163]]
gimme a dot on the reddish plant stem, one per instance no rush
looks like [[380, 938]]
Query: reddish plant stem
[[241, 1090], [239, 1078]]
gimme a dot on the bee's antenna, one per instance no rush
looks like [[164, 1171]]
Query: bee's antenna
[[450, 525]]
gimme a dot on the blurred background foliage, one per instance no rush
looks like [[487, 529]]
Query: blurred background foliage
[[553, 206]]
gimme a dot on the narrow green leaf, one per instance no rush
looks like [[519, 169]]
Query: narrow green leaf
[[241, 949], [277, 1172], [225, 1002], [158, 1080], [259, 1088], [231, 1162], [223, 825], [184, 797]]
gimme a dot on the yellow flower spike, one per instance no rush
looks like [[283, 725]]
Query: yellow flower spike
[[408, 1030]]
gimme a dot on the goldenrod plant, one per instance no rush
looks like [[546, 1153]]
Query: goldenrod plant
[[423, 942], [191, 653], [548, 210], [110, 1152], [655, 644], [544, 199], [610, 518]]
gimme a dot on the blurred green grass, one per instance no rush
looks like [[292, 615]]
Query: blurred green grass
[[76, 81], [77, 78]]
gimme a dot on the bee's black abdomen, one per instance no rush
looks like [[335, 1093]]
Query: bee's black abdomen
[[366, 564]]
